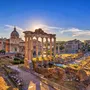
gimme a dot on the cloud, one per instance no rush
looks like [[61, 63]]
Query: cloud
[[82, 33], [76, 32], [11, 26], [72, 30], [20, 30], [46, 28]]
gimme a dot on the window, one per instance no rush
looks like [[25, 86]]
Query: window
[[15, 49]]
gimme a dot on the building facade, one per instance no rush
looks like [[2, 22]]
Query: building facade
[[73, 46], [16, 45], [87, 42], [2, 43], [60, 47]]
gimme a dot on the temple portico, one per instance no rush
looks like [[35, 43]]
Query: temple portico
[[39, 33]]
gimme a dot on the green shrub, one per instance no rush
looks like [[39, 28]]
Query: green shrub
[[2, 51], [16, 59], [21, 61], [76, 66], [16, 62]]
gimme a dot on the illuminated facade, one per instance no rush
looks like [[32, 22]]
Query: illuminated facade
[[17, 45], [14, 44], [2, 43], [39, 33]]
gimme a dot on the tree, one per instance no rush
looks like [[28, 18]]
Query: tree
[[61, 47], [2, 51], [88, 47]]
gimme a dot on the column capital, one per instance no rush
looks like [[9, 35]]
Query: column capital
[[32, 36], [46, 38], [51, 37], [26, 37], [54, 38]]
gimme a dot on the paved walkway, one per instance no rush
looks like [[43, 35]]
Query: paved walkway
[[7, 54], [28, 77]]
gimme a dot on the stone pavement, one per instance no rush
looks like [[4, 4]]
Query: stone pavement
[[29, 78]]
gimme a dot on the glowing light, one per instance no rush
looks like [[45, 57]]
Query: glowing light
[[37, 26]]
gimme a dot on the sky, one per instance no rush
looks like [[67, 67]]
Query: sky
[[68, 19]]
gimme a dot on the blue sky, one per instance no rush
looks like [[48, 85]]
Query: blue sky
[[66, 18]]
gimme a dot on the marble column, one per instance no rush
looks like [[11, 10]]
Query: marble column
[[26, 53], [42, 46], [46, 46], [31, 48], [58, 49], [54, 46], [50, 46], [37, 47]]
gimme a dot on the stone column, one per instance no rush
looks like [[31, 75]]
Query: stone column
[[54, 46], [31, 48], [10, 46], [7, 46], [46, 46], [42, 46], [50, 46], [26, 64], [58, 49], [37, 47]]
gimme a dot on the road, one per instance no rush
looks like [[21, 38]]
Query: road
[[29, 78]]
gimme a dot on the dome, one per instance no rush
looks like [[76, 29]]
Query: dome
[[14, 33]]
